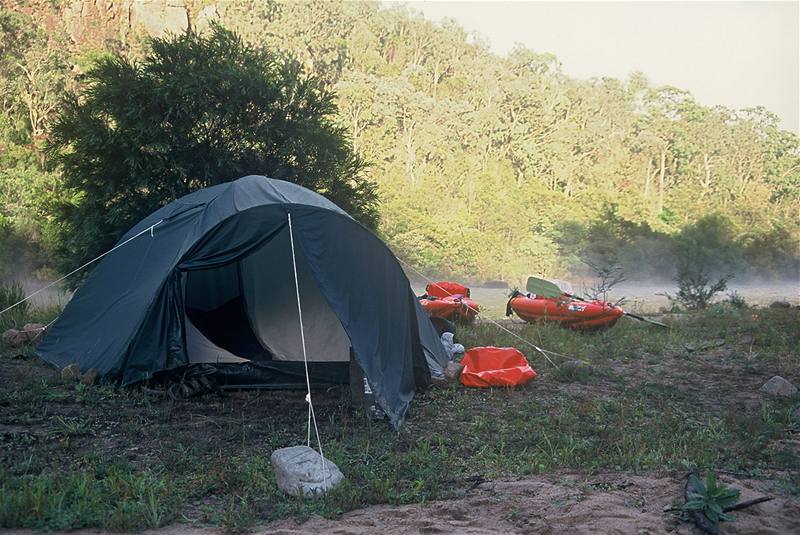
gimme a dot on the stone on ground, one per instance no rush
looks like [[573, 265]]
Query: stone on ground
[[778, 386], [30, 333], [453, 370], [159, 17], [71, 372], [299, 471], [34, 331], [15, 338], [89, 377], [747, 339]]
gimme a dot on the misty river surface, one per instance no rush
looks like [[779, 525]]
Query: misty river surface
[[640, 297]]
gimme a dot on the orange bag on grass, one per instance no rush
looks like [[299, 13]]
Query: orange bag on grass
[[495, 366], [446, 289]]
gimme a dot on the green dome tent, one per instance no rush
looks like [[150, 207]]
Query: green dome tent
[[209, 279]]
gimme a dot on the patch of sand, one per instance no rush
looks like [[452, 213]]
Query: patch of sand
[[573, 504]]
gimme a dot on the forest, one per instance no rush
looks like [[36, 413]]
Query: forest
[[484, 167]]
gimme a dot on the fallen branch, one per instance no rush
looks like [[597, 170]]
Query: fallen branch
[[748, 503]]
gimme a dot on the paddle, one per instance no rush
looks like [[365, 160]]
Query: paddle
[[547, 289], [543, 287]]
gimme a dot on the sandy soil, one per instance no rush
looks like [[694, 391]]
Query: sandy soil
[[566, 504]]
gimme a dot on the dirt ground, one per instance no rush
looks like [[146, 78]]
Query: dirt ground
[[569, 503], [563, 504]]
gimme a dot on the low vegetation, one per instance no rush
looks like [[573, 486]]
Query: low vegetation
[[711, 498], [10, 294], [695, 289], [75, 456]]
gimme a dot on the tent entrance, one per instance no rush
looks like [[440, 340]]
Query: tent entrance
[[245, 313]]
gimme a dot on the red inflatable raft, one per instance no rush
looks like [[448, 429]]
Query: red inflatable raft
[[568, 312], [446, 289], [449, 300]]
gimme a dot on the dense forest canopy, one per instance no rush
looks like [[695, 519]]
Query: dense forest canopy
[[487, 167]]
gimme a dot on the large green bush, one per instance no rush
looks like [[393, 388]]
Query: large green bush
[[198, 110]]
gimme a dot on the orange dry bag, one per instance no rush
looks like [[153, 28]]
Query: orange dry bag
[[495, 366]]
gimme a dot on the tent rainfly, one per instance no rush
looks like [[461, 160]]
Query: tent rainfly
[[212, 281]]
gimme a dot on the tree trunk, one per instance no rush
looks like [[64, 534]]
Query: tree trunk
[[436, 76], [408, 128], [707, 167], [661, 180], [356, 132]]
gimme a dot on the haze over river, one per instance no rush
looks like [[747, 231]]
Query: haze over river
[[642, 298]]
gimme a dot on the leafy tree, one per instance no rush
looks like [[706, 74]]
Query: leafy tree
[[708, 244], [198, 110], [33, 73]]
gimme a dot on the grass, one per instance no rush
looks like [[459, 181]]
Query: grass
[[120, 500], [73, 456]]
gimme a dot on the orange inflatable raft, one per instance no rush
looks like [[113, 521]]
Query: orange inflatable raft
[[449, 300], [567, 312]]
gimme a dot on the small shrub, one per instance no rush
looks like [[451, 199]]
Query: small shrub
[[695, 290], [735, 300], [9, 294], [710, 498], [608, 275]]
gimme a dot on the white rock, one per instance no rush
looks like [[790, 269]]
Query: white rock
[[778, 386], [299, 471], [160, 17], [453, 370]]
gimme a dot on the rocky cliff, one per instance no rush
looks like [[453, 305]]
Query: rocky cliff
[[101, 23]]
